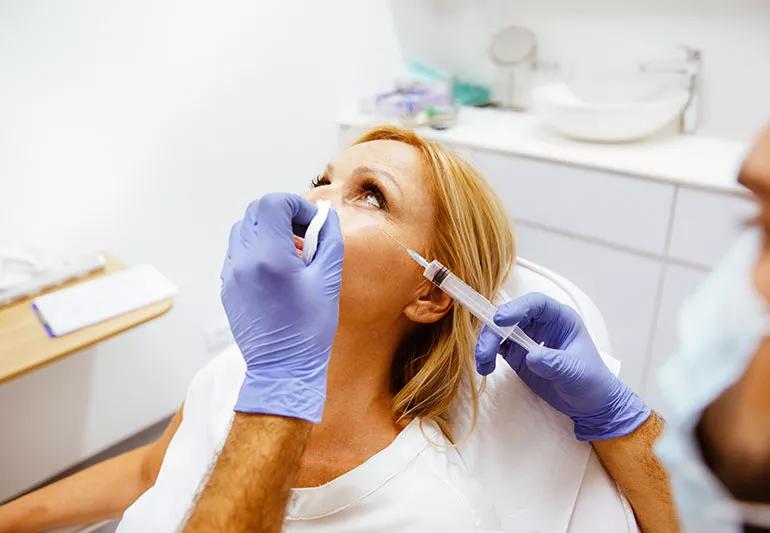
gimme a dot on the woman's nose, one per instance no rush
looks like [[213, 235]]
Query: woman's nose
[[312, 195], [322, 193], [327, 192]]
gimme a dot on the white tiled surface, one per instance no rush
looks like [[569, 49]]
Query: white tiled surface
[[678, 283], [637, 247], [704, 162], [626, 211], [622, 285], [705, 225]]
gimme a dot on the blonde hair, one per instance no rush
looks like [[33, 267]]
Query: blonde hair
[[473, 238]]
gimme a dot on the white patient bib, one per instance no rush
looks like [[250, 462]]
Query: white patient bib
[[522, 458], [416, 484]]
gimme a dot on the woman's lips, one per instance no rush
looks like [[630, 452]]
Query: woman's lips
[[299, 244]]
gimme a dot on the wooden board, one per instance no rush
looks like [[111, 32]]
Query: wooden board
[[25, 346]]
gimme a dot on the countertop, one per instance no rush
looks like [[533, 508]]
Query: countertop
[[25, 346], [690, 160]]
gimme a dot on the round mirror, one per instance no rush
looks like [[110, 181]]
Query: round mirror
[[512, 45]]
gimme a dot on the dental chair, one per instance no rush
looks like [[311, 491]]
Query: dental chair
[[527, 276], [524, 453]]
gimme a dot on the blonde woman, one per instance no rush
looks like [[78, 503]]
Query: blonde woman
[[382, 458]]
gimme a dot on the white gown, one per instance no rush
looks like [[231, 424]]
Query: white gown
[[520, 470]]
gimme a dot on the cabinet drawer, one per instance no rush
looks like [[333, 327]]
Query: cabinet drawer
[[467, 153], [623, 286], [706, 224], [678, 284], [617, 209]]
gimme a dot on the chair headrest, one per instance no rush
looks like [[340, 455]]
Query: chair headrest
[[527, 276]]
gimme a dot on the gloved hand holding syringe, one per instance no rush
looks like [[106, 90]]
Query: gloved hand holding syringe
[[562, 365], [473, 301]]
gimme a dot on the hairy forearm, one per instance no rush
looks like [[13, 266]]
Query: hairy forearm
[[248, 487], [631, 462], [97, 493]]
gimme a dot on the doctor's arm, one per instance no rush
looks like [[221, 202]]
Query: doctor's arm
[[283, 314], [257, 464], [100, 492], [630, 460], [569, 374]]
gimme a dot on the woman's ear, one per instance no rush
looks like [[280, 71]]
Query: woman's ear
[[429, 305]]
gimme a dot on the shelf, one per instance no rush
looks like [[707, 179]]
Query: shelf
[[25, 346]]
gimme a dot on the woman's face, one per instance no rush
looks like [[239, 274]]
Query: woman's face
[[375, 186]]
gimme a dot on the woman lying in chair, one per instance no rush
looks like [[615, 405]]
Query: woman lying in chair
[[399, 429]]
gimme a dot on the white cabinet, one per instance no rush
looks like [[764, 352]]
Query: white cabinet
[[622, 285], [625, 211], [465, 152], [705, 224], [678, 284], [638, 247], [37, 406]]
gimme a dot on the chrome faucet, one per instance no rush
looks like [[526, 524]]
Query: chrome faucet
[[690, 69]]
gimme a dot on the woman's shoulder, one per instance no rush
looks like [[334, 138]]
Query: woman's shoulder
[[522, 450]]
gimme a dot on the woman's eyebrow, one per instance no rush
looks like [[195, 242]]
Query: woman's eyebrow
[[368, 171]]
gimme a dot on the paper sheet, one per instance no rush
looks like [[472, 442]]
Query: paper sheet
[[105, 297]]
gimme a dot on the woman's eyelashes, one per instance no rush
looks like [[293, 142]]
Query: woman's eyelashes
[[367, 191], [319, 181]]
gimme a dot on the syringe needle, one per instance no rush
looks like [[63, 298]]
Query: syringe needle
[[414, 255], [392, 238]]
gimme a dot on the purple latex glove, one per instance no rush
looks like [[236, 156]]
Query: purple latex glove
[[282, 312], [570, 374]]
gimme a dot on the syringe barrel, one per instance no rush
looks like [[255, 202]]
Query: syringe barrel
[[474, 302]]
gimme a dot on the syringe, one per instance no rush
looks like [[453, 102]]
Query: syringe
[[461, 293], [474, 302]]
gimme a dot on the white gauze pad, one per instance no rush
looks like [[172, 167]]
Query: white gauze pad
[[311, 234]]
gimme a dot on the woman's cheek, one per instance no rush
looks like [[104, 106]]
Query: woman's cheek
[[365, 256], [367, 289]]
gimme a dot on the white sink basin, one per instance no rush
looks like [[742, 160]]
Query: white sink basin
[[607, 112]]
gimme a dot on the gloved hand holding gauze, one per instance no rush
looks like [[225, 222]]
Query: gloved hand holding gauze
[[283, 310], [313, 229]]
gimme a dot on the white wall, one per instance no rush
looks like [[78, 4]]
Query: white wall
[[589, 34], [144, 128]]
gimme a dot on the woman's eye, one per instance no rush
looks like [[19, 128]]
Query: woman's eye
[[319, 181], [371, 199], [372, 195]]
